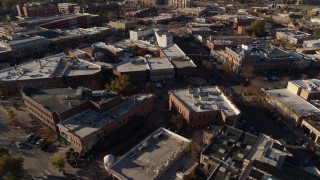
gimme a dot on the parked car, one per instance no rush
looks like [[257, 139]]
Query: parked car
[[19, 144], [30, 137], [44, 146], [40, 142], [35, 140]]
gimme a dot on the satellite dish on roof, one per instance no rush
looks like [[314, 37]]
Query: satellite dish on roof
[[108, 160]]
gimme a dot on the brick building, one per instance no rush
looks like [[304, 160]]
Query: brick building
[[37, 9], [66, 8], [86, 128], [202, 107], [52, 70], [308, 89], [79, 20], [54, 105]]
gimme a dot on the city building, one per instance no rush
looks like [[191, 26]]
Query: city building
[[66, 8], [314, 12], [162, 155], [140, 34], [200, 31], [203, 106], [290, 104], [308, 89], [194, 11], [179, 3], [234, 154], [84, 129], [121, 24], [225, 156], [219, 44], [236, 40], [311, 43], [164, 38], [148, 12], [56, 104], [77, 21], [29, 47], [311, 125], [270, 159], [111, 50], [52, 70], [5, 53], [234, 20], [292, 36], [5, 30], [183, 65], [141, 70], [98, 8], [37, 9], [261, 57]]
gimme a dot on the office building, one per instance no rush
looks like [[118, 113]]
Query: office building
[[37, 9], [52, 70], [84, 129], [159, 156], [203, 106]]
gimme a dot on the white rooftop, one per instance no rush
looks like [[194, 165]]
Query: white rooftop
[[173, 51], [87, 31], [312, 85], [293, 102], [157, 63], [151, 157], [205, 99], [137, 64], [106, 46], [52, 66], [88, 122]]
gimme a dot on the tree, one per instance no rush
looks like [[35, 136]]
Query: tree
[[58, 162], [178, 121], [11, 167], [121, 85], [47, 133], [12, 119], [196, 145], [257, 28]]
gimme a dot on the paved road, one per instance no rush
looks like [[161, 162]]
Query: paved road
[[36, 162]]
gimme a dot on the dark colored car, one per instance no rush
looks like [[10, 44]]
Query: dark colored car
[[44, 146], [35, 139], [30, 137]]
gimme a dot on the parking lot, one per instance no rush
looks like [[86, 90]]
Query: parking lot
[[36, 162]]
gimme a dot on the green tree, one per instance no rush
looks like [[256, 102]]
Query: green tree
[[58, 162], [11, 167], [257, 28], [121, 85]]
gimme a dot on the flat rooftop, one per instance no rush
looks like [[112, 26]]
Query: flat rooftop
[[51, 66], [312, 85], [151, 156], [183, 63], [206, 99], [158, 63], [293, 102], [173, 51], [88, 122], [137, 64], [21, 42], [64, 98]]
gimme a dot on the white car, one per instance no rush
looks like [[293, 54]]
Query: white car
[[19, 144], [40, 142]]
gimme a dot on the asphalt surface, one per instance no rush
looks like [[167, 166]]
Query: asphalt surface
[[36, 162]]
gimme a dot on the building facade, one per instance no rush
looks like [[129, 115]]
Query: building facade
[[37, 9], [198, 109], [164, 38], [91, 126]]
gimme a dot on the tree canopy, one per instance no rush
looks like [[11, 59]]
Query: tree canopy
[[257, 28], [121, 85], [58, 162], [11, 167]]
